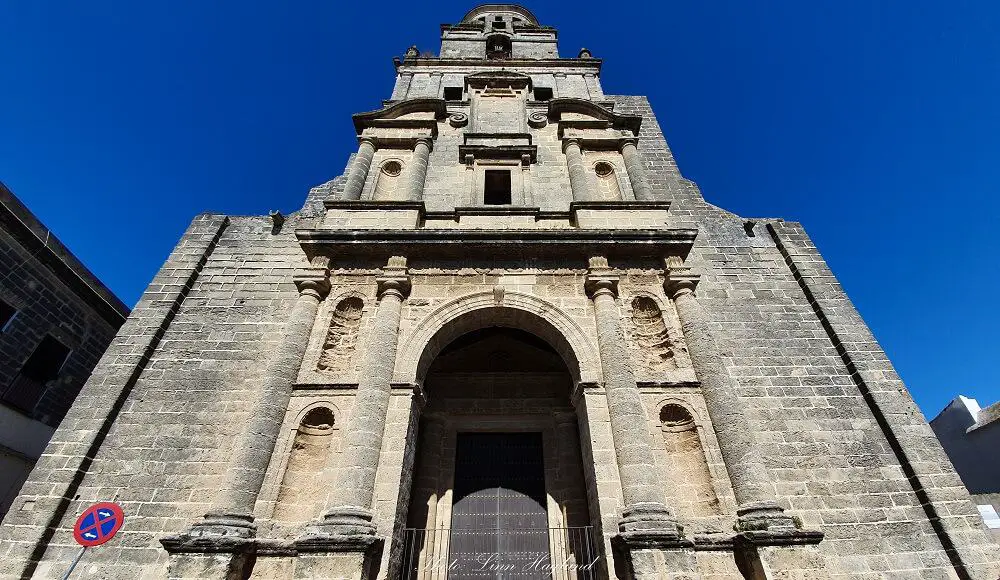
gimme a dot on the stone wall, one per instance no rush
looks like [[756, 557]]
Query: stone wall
[[55, 296], [843, 448]]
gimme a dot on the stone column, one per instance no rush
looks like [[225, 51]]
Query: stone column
[[577, 174], [636, 172], [646, 516], [355, 486], [228, 527], [418, 169], [756, 508], [359, 169]]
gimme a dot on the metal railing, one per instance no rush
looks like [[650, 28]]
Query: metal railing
[[515, 553]]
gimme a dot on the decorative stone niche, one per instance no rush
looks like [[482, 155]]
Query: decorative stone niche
[[658, 349], [688, 481], [301, 494], [387, 181], [337, 355], [606, 183]]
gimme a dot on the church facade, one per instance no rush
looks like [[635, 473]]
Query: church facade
[[510, 341]]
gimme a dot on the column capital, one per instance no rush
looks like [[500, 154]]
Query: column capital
[[429, 141], [600, 279], [398, 285], [312, 281], [567, 141], [369, 139], [394, 279], [678, 278], [622, 143]]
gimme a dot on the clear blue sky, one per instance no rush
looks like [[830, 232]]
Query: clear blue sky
[[873, 122]]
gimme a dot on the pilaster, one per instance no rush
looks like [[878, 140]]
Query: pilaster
[[221, 543], [636, 171], [359, 169], [646, 520], [349, 527], [577, 175], [760, 520]]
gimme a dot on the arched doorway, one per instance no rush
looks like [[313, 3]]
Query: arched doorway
[[498, 486]]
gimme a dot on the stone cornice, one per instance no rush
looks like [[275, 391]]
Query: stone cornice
[[592, 65], [580, 243], [496, 209], [389, 116], [620, 205]]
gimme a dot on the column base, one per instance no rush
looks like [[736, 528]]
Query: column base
[[764, 516], [771, 544], [650, 524], [221, 524], [219, 547], [343, 521]]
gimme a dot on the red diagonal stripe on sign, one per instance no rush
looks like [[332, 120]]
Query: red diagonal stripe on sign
[[96, 526]]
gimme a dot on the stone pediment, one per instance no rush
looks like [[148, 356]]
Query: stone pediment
[[582, 114], [409, 114]]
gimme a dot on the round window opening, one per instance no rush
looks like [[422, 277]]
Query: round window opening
[[603, 169], [392, 168]]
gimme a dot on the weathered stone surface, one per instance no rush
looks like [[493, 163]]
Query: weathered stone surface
[[790, 414]]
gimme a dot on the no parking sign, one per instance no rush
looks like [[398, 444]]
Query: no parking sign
[[98, 524], [95, 526]]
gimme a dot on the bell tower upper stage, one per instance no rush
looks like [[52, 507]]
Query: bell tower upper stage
[[500, 141], [495, 36]]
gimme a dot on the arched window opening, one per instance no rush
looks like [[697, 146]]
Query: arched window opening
[[341, 337], [387, 180], [689, 481], [301, 493], [498, 47], [318, 419], [607, 181]]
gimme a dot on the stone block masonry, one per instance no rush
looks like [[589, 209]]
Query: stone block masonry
[[509, 251]]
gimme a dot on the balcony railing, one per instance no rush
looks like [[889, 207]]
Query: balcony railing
[[517, 553]]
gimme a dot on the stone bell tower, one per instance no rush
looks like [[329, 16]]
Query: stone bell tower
[[510, 341]]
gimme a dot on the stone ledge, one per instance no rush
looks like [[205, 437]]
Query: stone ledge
[[368, 205], [188, 544], [581, 242], [780, 537], [620, 205]]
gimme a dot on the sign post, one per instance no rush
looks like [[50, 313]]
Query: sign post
[[95, 526]]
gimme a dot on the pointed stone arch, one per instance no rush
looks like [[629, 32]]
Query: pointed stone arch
[[482, 310]]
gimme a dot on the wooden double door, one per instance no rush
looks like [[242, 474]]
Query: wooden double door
[[499, 523]]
